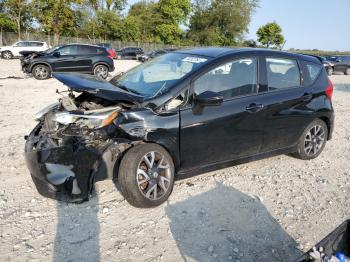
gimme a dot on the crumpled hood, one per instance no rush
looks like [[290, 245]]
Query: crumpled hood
[[96, 87], [26, 53]]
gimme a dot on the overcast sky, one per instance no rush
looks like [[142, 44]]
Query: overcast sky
[[306, 24]]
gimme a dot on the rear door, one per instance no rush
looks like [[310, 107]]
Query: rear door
[[285, 100], [85, 57], [66, 62], [228, 131]]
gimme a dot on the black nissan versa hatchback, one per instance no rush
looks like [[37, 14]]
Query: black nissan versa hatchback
[[180, 114]]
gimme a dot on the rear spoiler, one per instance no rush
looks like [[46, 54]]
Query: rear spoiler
[[316, 56]]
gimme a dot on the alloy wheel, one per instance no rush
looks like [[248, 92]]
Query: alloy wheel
[[7, 55], [41, 72], [314, 140], [101, 71], [153, 175]]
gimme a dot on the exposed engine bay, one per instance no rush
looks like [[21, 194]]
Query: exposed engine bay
[[74, 138], [84, 117]]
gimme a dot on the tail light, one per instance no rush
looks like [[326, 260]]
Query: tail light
[[112, 53], [329, 90]]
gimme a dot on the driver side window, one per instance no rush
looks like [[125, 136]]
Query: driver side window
[[232, 79], [68, 50]]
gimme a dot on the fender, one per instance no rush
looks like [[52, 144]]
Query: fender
[[39, 63], [101, 63]]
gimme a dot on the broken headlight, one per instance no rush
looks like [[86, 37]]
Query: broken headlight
[[45, 110], [92, 121]]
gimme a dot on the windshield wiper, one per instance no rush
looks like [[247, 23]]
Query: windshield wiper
[[160, 91], [128, 89]]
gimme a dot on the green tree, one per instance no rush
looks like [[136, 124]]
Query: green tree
[[220, 22], [173, 13], [270, 35], [56, 16], [145, 17], [19, 12]]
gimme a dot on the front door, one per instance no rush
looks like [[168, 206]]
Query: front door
[[66, 61], [228, 131]]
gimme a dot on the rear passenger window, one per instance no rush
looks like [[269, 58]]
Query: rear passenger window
[[313, 71], [236, 78], [87, 50], [282, 73]]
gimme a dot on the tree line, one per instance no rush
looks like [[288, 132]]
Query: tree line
[[176, 22]]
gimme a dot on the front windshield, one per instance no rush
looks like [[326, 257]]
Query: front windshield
[[52, 49], [158, 75]]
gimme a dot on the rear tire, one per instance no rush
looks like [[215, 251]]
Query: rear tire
[[146, 175], [7, 55], [41, 72], [312, 141], [101, 71], [347, 71], [330, 71]]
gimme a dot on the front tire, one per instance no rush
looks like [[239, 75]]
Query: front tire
[[312, 141], [330, 71], [101, 71], [146, 175], [41, 72], [347, 72], [7, 55]]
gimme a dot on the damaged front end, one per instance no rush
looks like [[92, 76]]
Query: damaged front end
[[75, 143]]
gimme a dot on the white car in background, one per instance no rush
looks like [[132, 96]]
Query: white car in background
[[9, 52]]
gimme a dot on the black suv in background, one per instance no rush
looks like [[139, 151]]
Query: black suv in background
[[129, 52], [78, 58], [338, 64]]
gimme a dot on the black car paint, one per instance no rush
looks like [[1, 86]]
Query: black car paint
[[216, 137], [81, 63], [97, 87]]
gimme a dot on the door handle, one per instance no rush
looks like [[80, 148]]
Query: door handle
[[254, 108], [306, 97]]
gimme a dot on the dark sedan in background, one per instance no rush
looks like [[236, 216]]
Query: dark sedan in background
[[337, 64], [76, 58], [153, 54], [129, 52]]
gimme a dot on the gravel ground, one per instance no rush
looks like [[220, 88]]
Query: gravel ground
[[268, 210]]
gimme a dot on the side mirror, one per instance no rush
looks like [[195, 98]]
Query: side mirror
[[208, 98], [56, 54]]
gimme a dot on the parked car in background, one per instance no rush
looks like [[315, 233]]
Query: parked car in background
[[182, 113], [337, 64], [78, 58], [153, 54], [9, 52], [129, 52], [107, 45]]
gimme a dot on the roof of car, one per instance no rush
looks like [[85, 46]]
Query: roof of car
[[31, 41], [216, 52], [84, 44]]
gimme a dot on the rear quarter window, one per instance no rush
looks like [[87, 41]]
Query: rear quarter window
[[312, 72]]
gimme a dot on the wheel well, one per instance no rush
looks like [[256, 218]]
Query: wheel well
[[31, 69], [100, 63], [328, 124]]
